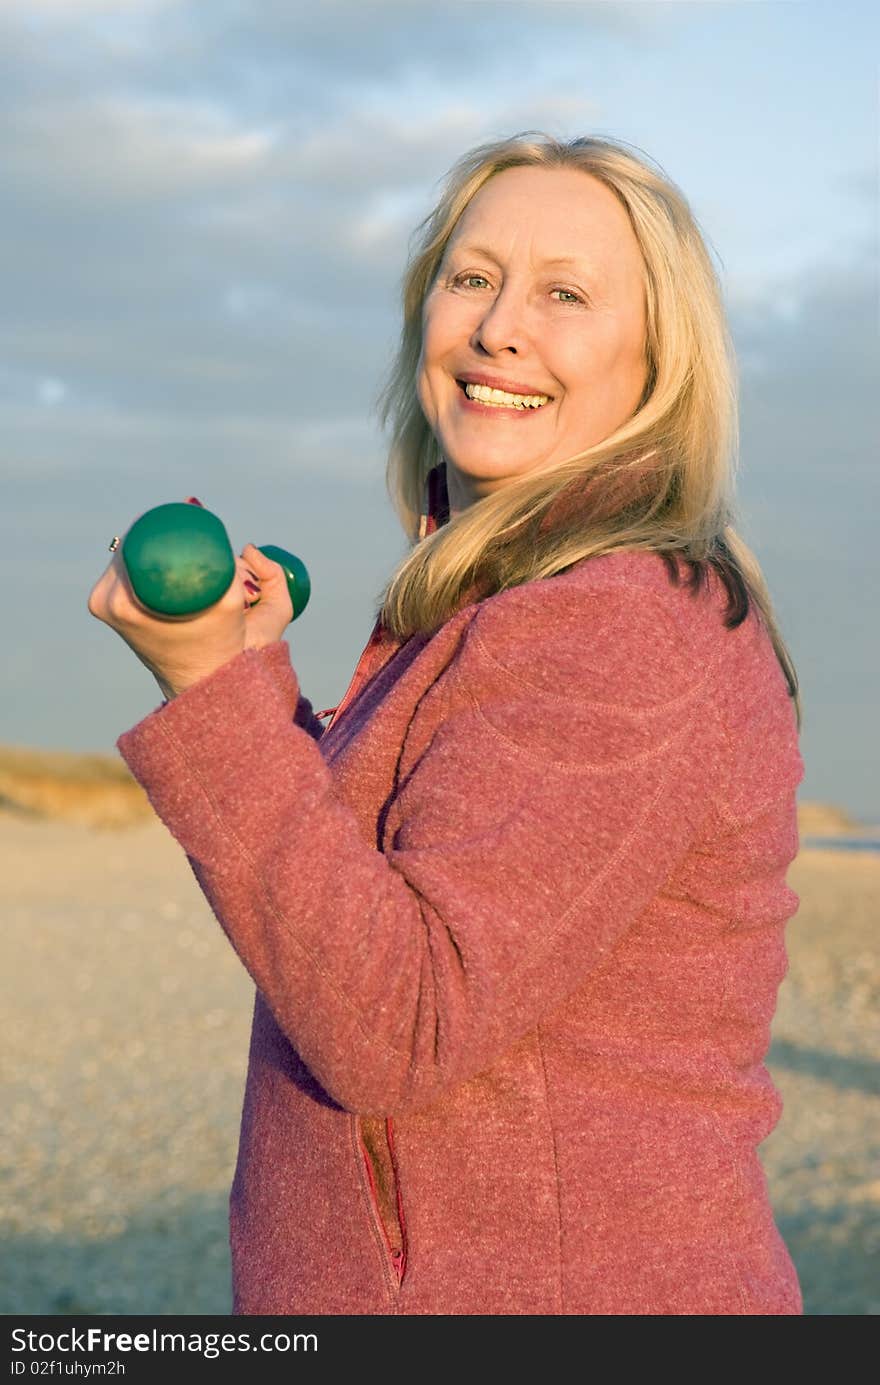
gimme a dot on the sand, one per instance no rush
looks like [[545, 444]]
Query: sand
[[125, 1023]]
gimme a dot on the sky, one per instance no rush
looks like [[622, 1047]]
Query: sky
[[206, 211]]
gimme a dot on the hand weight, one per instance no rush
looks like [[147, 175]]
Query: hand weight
[[179, 561]]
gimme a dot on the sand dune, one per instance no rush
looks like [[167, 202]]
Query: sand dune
[[92, 790]]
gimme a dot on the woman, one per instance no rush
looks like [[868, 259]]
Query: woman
[[515, 918]]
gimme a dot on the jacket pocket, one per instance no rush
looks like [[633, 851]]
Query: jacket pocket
[[376, 1140]]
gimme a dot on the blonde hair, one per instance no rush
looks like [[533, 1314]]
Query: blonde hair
[[662, 481]]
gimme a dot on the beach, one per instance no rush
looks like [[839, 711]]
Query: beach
[[125, 1024]]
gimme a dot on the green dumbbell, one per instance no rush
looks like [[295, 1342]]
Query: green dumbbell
[[180, 561]]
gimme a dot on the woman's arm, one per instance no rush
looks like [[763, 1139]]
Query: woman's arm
[[572, 769]]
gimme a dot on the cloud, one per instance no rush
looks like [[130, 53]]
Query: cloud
[[177, 250], [52, 392], [128, 151], [69, 439], [371, 40], [810, 350], [215, 225], [70, 11], [809, 496]]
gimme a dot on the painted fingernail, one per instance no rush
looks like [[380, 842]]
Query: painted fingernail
[[194, 500], [251, 587]]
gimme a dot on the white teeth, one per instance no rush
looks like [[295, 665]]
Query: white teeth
[[487, 395]]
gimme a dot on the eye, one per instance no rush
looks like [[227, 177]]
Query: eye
[[570, 296], [464, 279]]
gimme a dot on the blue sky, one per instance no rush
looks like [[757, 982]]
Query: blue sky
[[205, 221]]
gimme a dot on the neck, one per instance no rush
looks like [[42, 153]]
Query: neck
[[460, 491]]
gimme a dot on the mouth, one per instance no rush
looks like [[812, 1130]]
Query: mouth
[[502, 399]]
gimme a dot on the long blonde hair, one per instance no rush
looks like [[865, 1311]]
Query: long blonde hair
[[662, 481]]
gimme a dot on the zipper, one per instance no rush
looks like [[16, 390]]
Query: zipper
[[396, 1254]]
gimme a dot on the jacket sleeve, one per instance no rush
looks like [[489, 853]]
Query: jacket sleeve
[[276, 658], [567, 772]]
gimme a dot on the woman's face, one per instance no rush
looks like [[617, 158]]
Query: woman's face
[[540, 293]]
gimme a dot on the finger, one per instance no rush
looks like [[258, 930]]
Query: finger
[[272, 579], [97, 602], [114, 572], [112, 600], [262, 570], [260, 565], [249, 580]]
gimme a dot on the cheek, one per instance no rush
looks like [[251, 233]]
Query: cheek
[[431, 343], [447, 325], [607, 367], [438, 341]]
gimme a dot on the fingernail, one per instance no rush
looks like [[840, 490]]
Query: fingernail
[[251, 587], [194, 500]]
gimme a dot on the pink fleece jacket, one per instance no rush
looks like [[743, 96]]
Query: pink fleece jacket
[[515, 922]]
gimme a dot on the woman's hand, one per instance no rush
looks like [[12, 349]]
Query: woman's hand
[[181, 650]]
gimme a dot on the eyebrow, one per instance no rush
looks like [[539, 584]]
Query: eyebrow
[[567, 260]]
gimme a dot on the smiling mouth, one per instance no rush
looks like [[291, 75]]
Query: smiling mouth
[[502, 399]]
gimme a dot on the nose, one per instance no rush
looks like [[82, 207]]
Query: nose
[[503, 324]]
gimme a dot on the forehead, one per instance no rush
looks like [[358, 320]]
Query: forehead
[[550, 215]]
